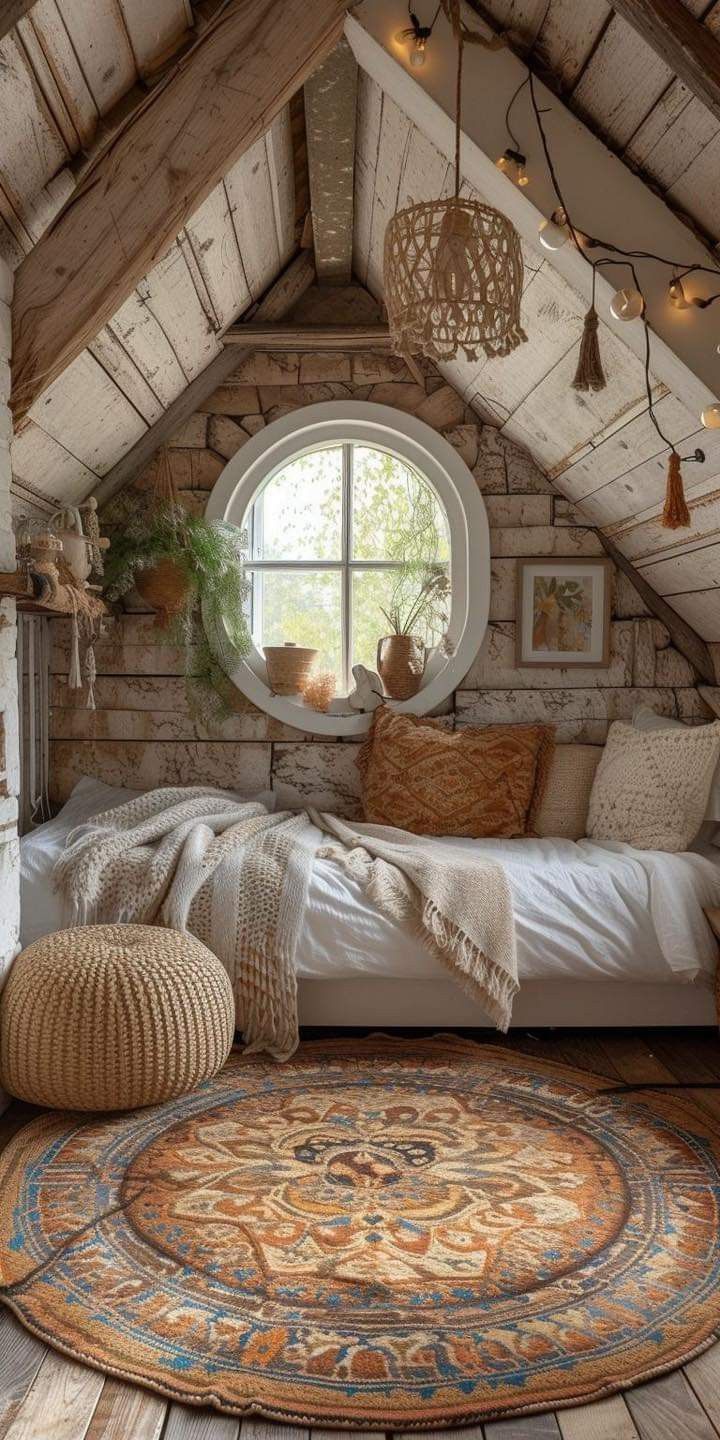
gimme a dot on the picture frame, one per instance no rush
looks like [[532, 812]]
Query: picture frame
[[563, 612]]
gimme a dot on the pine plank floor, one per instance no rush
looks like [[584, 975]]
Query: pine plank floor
[[44, 1396]]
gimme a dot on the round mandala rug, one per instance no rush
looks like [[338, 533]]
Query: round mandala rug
[[384, 1234]]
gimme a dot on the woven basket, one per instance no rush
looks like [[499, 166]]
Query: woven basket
[[401, 665], [111, 1017], [164, 586], [288, 667]]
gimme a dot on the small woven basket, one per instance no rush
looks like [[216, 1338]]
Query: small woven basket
[[401, 665], [289, 667], [112, 1017]]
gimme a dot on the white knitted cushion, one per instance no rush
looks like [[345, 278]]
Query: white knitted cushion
[[651, 789], [645, 718], [564, 807]]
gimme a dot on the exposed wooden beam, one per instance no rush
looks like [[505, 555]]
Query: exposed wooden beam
[[211, 106], [279, 300], [683, 637], [309, 337], [330, 109], [11, 11], [684, 43]]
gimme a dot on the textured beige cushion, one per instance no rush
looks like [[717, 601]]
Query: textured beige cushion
[[651, 789], [564, 809]]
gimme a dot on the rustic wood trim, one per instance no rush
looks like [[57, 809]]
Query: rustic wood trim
[[309, 337], [218, 99], [330, 115], [279, 299], [683, 637], [684, 43], [11, 11]]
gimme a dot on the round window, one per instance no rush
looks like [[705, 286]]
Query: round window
[[361, 522]]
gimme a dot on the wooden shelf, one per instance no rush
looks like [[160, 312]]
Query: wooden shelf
[[17, 586]]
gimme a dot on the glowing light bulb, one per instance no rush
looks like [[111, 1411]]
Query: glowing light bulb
[[627, 305], [417, 54], [711, 417], [555, 232], [522, 175], [512, 164], [677, 296]]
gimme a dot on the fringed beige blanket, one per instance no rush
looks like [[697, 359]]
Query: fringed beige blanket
[[199, 859]]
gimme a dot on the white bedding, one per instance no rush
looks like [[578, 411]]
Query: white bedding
[[583, 911]]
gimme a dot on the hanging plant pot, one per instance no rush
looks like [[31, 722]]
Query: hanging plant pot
[[164, 587], [401, 665]]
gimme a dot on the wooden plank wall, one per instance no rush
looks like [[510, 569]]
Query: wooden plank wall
[[601, 451], [142, 733]]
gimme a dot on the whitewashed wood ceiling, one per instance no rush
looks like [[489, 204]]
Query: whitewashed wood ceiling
[[621, 88], [600, 450], [65, 73]]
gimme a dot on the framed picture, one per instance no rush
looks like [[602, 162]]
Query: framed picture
[[563, 612]]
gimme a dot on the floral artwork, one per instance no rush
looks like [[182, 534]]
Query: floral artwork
[[563, 612]]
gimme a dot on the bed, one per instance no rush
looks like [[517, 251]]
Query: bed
[[607, 935]]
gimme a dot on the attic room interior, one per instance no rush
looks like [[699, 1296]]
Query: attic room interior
[[359, 719]]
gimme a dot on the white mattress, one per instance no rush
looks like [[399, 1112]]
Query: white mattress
[[583, 912]]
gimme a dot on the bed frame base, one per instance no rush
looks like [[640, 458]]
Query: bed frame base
[[551, 1004]]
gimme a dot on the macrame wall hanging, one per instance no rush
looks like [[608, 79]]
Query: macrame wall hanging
[[453, 269]]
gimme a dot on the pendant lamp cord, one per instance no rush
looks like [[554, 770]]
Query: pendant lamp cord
[[458, 107]]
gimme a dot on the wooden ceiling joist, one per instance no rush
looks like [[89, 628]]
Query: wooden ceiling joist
[[330, 108], [309, 337], [10, 12], [279, 300], [684, 43], [220, 97]]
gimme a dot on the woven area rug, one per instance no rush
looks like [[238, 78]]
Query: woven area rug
[[386, 1234]]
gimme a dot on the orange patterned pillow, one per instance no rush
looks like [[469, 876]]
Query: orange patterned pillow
[[420, 777]]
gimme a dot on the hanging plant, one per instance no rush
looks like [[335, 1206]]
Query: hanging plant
[[193, 571]]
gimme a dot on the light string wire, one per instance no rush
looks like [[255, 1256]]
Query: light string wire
[[624, 257]]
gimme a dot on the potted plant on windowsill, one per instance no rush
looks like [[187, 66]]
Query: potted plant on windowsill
[[420, 597], [192, 572]]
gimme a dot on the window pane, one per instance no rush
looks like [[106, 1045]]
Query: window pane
[[298, 515], [373, 591], [303, 606], [396, 515]]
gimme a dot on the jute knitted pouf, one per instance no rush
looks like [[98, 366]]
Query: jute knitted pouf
[[111, 1017]]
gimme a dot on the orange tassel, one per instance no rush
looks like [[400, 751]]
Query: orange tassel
[[676, 514]]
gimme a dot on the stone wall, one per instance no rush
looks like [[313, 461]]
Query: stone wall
[[9, 763], [141, 732]]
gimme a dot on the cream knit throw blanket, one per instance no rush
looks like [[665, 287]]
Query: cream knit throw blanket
[[199, 859], [461, 904]]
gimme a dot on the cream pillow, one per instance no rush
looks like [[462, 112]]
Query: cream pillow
[[564, 808], [645, 718], [651, 789]]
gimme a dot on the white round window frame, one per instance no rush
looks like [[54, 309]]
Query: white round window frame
[[411, 440]]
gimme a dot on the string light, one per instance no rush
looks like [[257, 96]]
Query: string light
[[512, 164], [711, 416], [555, 232], [627, 304], [417, 36], [676, 294]]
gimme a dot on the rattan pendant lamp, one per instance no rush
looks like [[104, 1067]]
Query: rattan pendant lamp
[[453, 269]]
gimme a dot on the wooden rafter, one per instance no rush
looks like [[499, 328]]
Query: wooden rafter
[[330, 108], [11, 11], [683, 637], [219, 98], [279, 300], [309, 337], [684, 43]]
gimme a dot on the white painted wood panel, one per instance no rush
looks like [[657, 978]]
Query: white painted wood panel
[[170, 295], [140, 333], [367, 140], [216, 255], [701, 610], [281, 167], [154, 30], [108, 351], [643, 488], [679, 573], [85, 412], [622, 82], [395, 138], [645, 538], [551, 310], [48, 467], [53, 39], [630, 445], [31, 147], [568, 35], [101, 44], [249, 190]]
